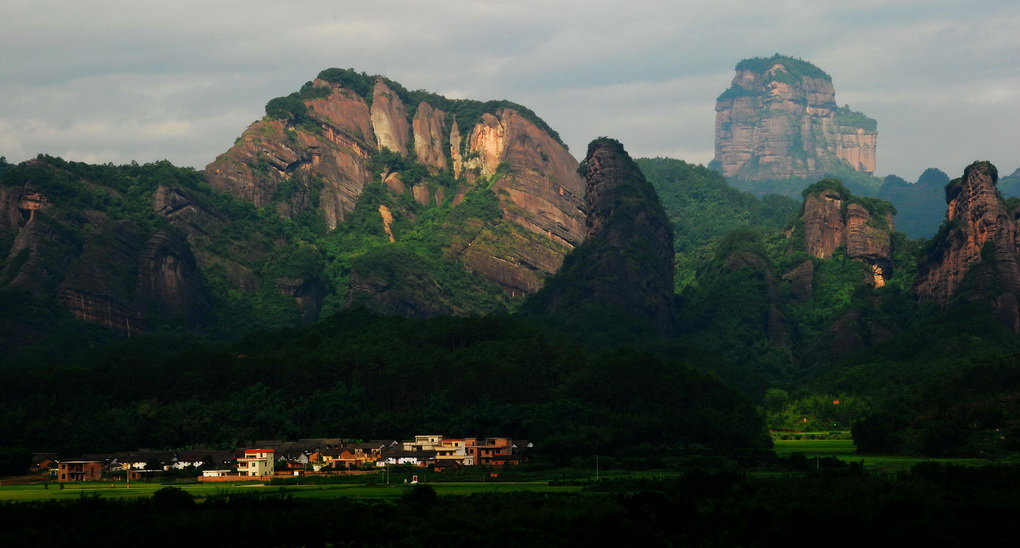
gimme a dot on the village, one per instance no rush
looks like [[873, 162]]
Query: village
[[261, 460]]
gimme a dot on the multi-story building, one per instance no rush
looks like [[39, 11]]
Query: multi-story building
[[79, 470], [456, 451], [257, 462]]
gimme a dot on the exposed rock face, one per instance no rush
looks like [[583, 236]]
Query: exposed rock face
[[626, 260], [189, 215], [542, 191], [18, 204], [93, 289], [833, 219], [802, 281], [316, 150], [428, 129], [325, 158], [198, 221], [539, 191], [779, 120], [40, 250], [868, 243], [330, 166], [975, 254], [308, 294], [100, 266], [824, 225], [109, 274], [169, 282], [389, 119]]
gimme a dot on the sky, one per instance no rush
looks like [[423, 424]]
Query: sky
[[145, 80]]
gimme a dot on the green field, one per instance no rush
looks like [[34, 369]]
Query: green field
[[201, 491], [823, 448], [846, 451]]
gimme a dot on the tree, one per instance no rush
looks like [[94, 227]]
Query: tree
[[15, 461], [776, 400]]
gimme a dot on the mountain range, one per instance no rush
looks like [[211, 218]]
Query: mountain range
[[354, 203]]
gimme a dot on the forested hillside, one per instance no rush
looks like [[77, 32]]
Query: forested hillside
[[200, 307], [702, 206], [359, 375]]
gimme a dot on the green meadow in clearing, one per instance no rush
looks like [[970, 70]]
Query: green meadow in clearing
[[819, 447], [844, 449]]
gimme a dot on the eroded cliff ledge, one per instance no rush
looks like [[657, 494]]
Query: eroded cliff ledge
[[834, 218], [779, 120]]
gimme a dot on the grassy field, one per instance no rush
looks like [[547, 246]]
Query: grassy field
[[823, 448], [201, 491], [846, 451]]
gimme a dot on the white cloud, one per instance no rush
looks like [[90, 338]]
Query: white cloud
[[113, 80]]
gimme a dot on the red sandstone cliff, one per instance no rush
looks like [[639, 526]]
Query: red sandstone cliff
[[325, 157], [779, 120], [974, 257], [834, 218], [329, 166]]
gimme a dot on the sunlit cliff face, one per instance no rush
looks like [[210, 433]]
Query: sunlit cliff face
[[769, 129], [532, 174]]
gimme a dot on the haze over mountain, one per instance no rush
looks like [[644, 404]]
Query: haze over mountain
[[778, 127]]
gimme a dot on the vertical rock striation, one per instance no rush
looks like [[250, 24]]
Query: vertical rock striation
[[974, 256], [322, 160], [318, 154], [779, 120]]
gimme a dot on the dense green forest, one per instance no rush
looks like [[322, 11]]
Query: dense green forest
[[363, 376], [230, 236], [702, 206], [592, 379]]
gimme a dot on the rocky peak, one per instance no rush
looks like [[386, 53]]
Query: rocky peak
[[315, 150], [824, 223], [626, 260], [974, 256], [779, 120], [834, 218]]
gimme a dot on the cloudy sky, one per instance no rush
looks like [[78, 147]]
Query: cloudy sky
[[144, 80]]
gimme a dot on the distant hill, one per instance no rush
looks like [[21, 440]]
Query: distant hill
[[920, 206], [1009, 185], [703, 206]]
